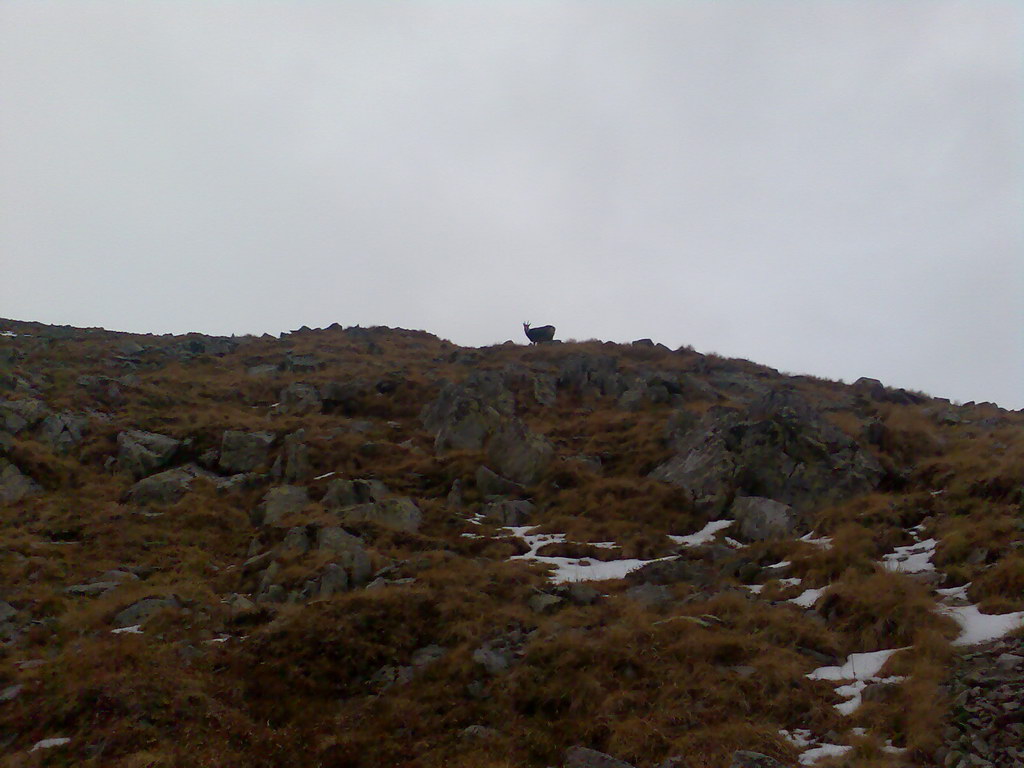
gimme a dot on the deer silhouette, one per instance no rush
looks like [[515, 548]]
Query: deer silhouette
[[540, 334]]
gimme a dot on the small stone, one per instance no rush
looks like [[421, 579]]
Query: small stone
[[544, 603], [478, 732], [10, 693], [428, 655]]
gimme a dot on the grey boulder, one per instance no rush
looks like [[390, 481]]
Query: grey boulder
[[463, 425], [507, 512], [244, 451], [279, 502], [346, 493], [518, 454], [165, 487], [490, 483], [299, 399], [15, 486], [297, 466], [347, 551], [761, 519], [63, 431], [778, 448], [143, 453], [400, 513], [17, 415], [141, 611]]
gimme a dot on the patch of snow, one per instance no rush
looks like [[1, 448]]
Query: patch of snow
[[951, 594], [9, 334], [273, 405], [813, 755], [859, 669], [852, 693], [59, 741], [134, 629], [977, 627], [780, 564], [807, 598], [733, 543], [821, 541], [913, 558], [858, 666], [325, 474], [471, 535], [799, 737], [704, 535], [790, 582], [755, 588], [603, 544], [570, 569], [218, 640]]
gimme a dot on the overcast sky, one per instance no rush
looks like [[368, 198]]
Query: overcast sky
[[825, 187]]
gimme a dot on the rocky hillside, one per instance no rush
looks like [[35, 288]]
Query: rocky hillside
[[362, 547]]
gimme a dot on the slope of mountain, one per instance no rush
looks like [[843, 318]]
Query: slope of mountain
[[359, 547]]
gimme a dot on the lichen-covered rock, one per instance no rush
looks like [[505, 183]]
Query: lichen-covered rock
[[779, 448], [139, 612], [490, 483], [279, 502], [346, 493], [143, 453], [300, 363], [299, 398], [162, 488], [507, 512], [332, 580], [518, 454], [18, 415], [244, 451], [592, 375], [400, 513], [348, 553], [461, 422], [463, 416], [63, 431], [760, 518], [297, 466], [544, 603], [15, 486], [544, 389]]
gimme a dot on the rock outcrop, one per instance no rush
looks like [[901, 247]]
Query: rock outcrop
[[244, 451], [779, 448], [518, 454], [14, 485], [143, 453]]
